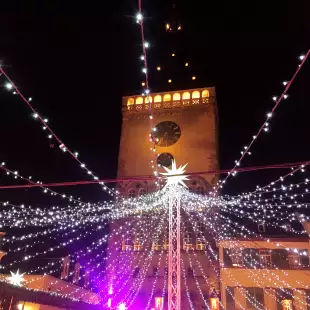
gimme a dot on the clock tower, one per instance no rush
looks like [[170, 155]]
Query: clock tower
[[184, 128]]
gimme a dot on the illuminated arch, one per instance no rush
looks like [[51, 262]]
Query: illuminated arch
[[148, 99], [205, 94], [157, 98], [139, 100], [186, 95], [176, 97], [195, 94], [167, 97], [130, 101]]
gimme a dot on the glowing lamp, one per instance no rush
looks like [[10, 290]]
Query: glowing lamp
[[186, 64], [193, 77], [169, 81], [173, 54], [158, 68], [159, 302], [167, 26], [287, 304], [214, 303]]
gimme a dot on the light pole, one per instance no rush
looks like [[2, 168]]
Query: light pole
[[174, 181]]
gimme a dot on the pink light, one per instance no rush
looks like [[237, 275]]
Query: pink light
[[110, 290], [122, 306], [109, 302]]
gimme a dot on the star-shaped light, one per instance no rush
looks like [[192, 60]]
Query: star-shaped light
[[175, 176], [16, 278]]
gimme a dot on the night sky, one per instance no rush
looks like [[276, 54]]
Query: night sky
[[77, 59]]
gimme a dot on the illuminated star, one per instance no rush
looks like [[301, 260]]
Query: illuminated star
[[16, 278], [175, 176]]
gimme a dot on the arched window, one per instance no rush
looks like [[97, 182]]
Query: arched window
[[139, 100], [200, 190], [167, 97], [196, 94], [142, 191], [176, 97], [186, 95], [205, 94], [130, 101], [148, 99], [132, 193], [157, 98]]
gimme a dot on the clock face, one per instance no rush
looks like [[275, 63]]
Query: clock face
[[166, 133], [165, 160]]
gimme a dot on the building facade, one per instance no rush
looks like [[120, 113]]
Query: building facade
[[183, 127]]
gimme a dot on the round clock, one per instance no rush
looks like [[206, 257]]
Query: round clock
[[166, 133], [164, 160]]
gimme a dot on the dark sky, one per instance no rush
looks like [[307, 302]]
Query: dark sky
[[77, 59]]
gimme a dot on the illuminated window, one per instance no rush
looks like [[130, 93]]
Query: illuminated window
[[236, 257], [157, 98], [294, 261], [137, 245], [127, 244], [142, 191], [196, 94], [167, 97], [200, 244], [265, 258], [130, 101], [159, 302], [287, 304], [188, 242], [148, 99], [205, 94], [214, 303], [176, 97], [132, 193], [186, 96], [156, 245], [139, 100]]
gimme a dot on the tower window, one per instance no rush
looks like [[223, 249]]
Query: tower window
[[190, 272], [261, 227], [265, 258], [287, 227], [136, 272], [132, 193], [155, 271]]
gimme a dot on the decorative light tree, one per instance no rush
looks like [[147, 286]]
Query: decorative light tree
[[174, 179]]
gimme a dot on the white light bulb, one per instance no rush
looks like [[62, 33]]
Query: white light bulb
[[50, 136], [35, 115], [44, 128], [8, 86], [142, 57], [301, 57], [269, 115], [146, 44], [29, 99], [284, 83], [83, 165], [139, 16], [45, 120], [144, 70], [285, 96], [274, 98]]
